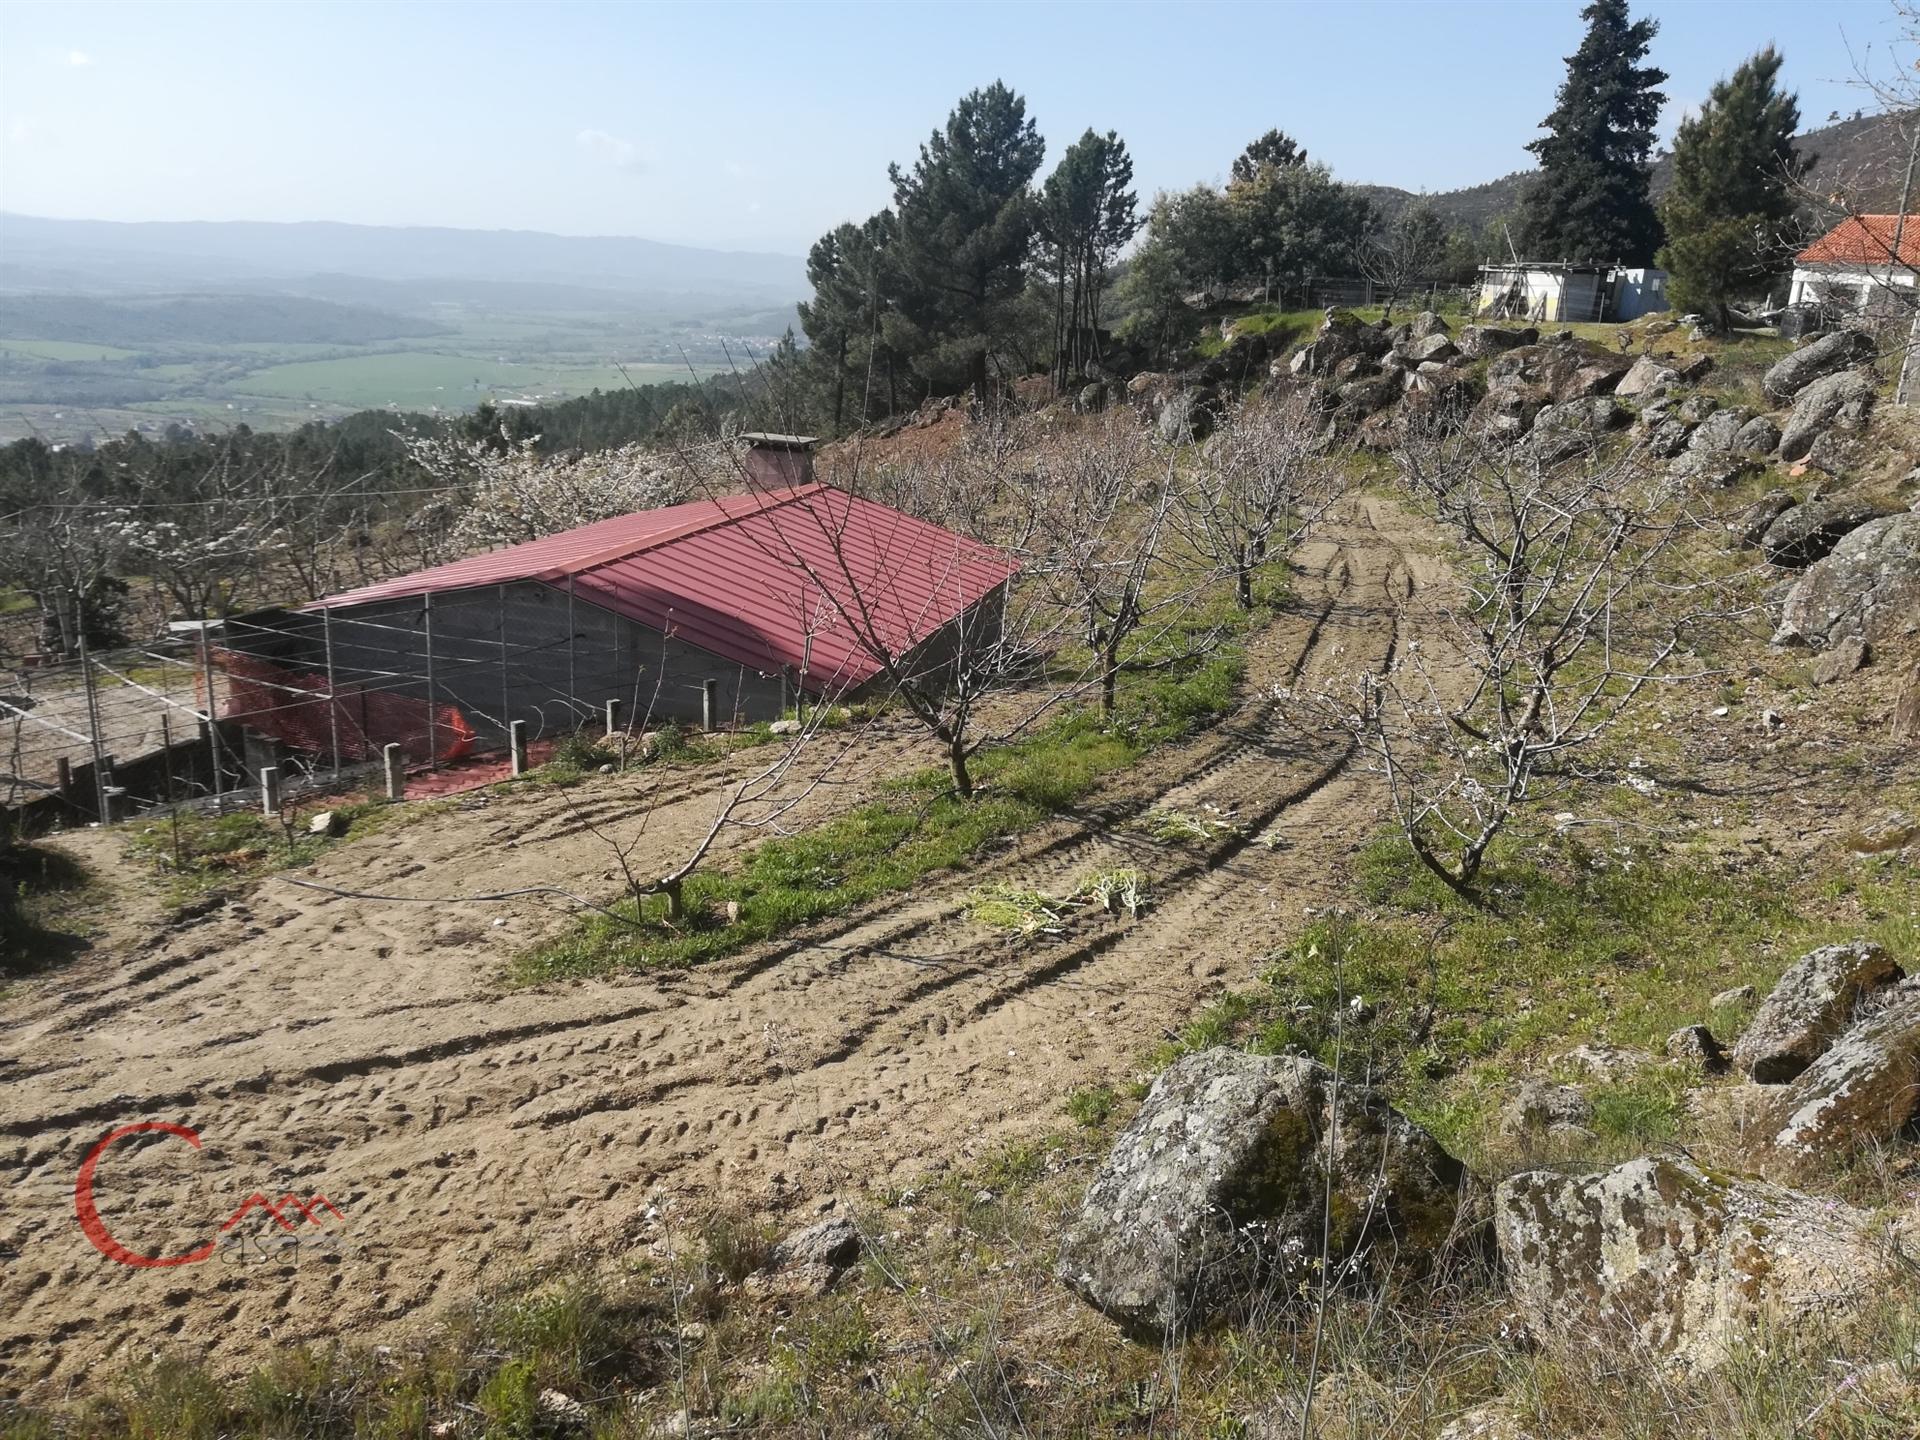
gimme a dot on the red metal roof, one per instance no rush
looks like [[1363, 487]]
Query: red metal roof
[[783, 579], [1865, 240]]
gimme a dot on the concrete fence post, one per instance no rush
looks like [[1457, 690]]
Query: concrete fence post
[[517, 745], [114, 803], [270, 791], [396, 771], [613, 717], [709, 703]]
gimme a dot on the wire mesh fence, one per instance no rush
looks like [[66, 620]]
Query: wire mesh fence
[[323, 698]]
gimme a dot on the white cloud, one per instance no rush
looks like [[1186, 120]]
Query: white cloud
[[79, 59], [621, 154]]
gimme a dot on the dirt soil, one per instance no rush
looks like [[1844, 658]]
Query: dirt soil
[[367, 1051]]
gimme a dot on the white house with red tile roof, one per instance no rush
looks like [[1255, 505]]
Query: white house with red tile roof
[[1861, 257]]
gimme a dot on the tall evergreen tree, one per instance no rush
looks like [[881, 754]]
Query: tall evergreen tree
[[964, 229], [1088, 212], [1275, 148], [1590, 201], [1734, 169], [848, 268]]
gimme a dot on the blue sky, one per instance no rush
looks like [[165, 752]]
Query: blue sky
[[758, 126]]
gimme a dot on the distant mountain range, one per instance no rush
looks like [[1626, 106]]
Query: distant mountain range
[[391, 267], [1864, 157]]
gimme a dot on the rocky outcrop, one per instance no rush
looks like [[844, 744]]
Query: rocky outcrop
[[1660, 1257], [1718, 430], [1341, 336], [1564, 430], [1814, 1001], [1827, 355], [1427, 324], [1808, 532], [1694, 1045], [1869, 586], [1842, 399], [1216, 1193], [1865, 1089], [1431, 347], [1840, 660]]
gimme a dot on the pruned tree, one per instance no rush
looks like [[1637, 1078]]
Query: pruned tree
[[1408, 250], [1104, 500], [1574, 602], [1262, 481]]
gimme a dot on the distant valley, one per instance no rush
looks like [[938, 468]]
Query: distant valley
[[107, 327]]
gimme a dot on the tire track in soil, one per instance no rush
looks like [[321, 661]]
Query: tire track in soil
[[467, 1133]]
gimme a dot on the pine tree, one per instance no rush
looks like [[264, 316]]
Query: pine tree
[[965, 227], [1734, 169], [1087, 215], [1590, 201], [1275, 148], [848, 269]]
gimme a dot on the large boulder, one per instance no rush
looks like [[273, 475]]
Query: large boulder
[[1863, 1091], [1646, 376], [1480, 341], [1659, 1257], [1809, 532], [1564, 430], [1841, 350], [1431, 347], [1718, 430], [1814, 1001], [1218, 1191], [1840, 399], [1868, 586], [1759, 436], [1425, 324]]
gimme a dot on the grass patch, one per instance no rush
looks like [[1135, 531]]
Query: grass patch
[[196, 855], [919, 827], [40, 889]]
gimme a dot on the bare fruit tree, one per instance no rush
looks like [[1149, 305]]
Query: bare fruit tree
[[1104, 501], [1575, 600], [1262, 481]]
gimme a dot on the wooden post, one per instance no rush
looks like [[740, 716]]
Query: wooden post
[[784, 702], [613, 718], [212, 719], [517, 744], [333, 694], [63, 777], [396, 768], [433, 739], [709, 702], [270, 791]]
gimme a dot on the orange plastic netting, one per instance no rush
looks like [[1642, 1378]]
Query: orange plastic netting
[[303, 711]]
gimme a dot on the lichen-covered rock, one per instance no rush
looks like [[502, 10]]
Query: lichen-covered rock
[[1667, 437], [1646, 376], [1564, 430], [1718, 430], [1824, 356], [1809, 532], [1842, 399], [1748, 528], [1660, 1257], [1538, 1107], [1840, 660], [1759, 436], [1480, 341], [1863, 1090], [1427, 323], [1215, 1194], [1814, 1001], [1432, 347], [833, 1242], [1868, 586], [1694, 1045]]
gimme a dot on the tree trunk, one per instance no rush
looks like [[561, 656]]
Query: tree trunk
[[1243, 587], [676, 902], [957, 763]]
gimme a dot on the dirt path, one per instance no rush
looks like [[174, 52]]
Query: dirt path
[[360, 1051]]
